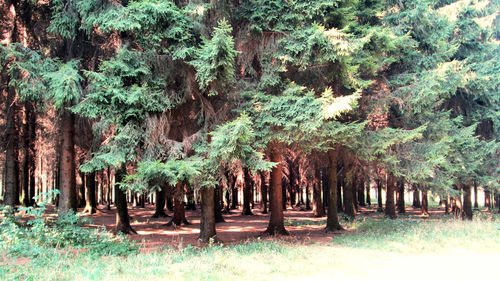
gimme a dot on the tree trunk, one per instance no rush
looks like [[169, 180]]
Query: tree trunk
[[160, 203], [476, 205], [401, 197], [308, 200], [318, 209], [487, 200], [122, 217], [467, 201], [67, 177], [325, 189], [191, 203], [207, 222], [247, 193], [380, 208], [263, 192], [416, 197], [170, 203], [217, 204], [340, 183], [332, 222], [90, 200], [390, 209], [179, 212], [276, 220], [11, 188], [348, 195], [425, 203], [234, 193], [361, 190], [368, 198]]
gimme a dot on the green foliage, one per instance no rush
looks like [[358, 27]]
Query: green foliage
[[64, 84], [41, 236], [214, 61]]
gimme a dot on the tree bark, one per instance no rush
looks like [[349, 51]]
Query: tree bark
[[380, 208], [416, 197], [348, 195], [487, 200], [425, 203], [234, 193], [325, 185], [11, 136], [332, 222], [217, 204], [476, 205], [390, 209], [90, 198], [368, 198], [122, 217], [207, 223], [276, 220], [308, 200], [340, 183], [179, 212], [67, 177], [247, 193], [467, 201], [263, 192], [191, 203], [160, 203], [361, 190], [401, 197], [318, 209]]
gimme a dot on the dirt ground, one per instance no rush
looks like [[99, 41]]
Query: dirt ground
[[152, 233]]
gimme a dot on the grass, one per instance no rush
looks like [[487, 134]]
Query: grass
[[372, 247]]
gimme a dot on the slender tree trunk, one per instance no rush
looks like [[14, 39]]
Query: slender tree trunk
[[487, 200], [90, 198], [390, 209], [207, 223], [348, 195], [368, 198], [179, 212], [191, 204], [401, 197], [425, 203], [308, 200], [380, 208], [318, 209], [361, 190], [416, 197], [332, 222], [476, 205], [276, 220], [217, 204], [263, 191], [160, 203], [67, 177], [467, 201], [11, 136], [247, 193], [340, 183], [122, 217], [324, 185], [234, 193]]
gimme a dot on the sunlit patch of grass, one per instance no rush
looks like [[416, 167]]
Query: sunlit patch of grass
[[413, 235], [294, 222]]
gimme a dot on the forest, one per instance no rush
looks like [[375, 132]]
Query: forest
[[190, 130]]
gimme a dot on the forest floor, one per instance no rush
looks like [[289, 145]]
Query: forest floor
[[152, 233]]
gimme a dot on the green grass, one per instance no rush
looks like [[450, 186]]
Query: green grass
[[370, 247]]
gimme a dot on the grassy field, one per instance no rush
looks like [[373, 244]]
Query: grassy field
[[410, 248]]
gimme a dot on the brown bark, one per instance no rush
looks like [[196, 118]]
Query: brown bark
[[247, 193], [361, 190], [332, 222], [318, 209], [217, 204], [425, 203], [122, 217], [90, 194], [276, 220], [67, 177], [390, 209], [476, 205], [207, 222], [11, 136], [487, 200], [234, 192], [368, 198], [340, 183], [179, 212], [467, 201], [401, 197], [380, 208], [263, 192], [160, 203], [191, 203], [348, 196], [324, 185], [416, 197]]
